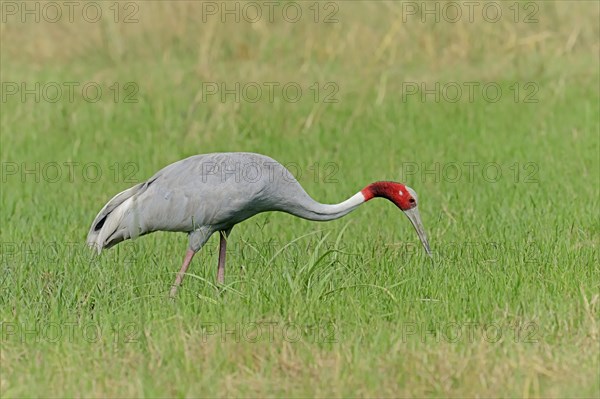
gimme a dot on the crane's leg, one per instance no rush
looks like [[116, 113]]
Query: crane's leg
[[197, 238], [222, 253], [186, 263]]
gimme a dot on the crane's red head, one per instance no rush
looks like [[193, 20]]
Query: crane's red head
[[404, 198]]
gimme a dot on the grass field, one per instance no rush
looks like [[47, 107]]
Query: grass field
[[494, 122]]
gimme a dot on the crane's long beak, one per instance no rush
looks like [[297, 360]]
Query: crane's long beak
[[415, 219]]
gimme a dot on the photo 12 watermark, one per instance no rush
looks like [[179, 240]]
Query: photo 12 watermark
[[269, 331], [470, 172], [69, 172], [269, 92], [61, 253], [54, 332], [252, 12], [493, 12], [42, 252], [69, 92], [457, 332], [253, 172], [52, 12], [470, 92]]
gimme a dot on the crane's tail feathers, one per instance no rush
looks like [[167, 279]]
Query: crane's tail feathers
[[116, 221]]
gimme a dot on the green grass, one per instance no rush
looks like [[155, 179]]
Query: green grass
[[509, 306]]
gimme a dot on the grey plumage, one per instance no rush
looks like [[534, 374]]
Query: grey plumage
[[212, 190], [203, 194]]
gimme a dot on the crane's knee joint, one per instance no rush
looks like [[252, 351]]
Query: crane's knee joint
[[199, 237]]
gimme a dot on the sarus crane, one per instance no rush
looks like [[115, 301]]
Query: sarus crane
[[210, 193]]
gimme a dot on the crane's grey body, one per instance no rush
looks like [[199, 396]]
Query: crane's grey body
[[203, 194], [214, 190]]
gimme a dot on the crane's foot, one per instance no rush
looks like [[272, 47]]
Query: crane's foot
[[186, 263], [173, 292]]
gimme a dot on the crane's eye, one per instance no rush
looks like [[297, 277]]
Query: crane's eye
[[412, 200]]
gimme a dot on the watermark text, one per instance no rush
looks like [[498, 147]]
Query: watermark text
[[93, 12], [70, 92]]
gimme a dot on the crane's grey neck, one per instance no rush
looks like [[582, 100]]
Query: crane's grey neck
[[313, 210]]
